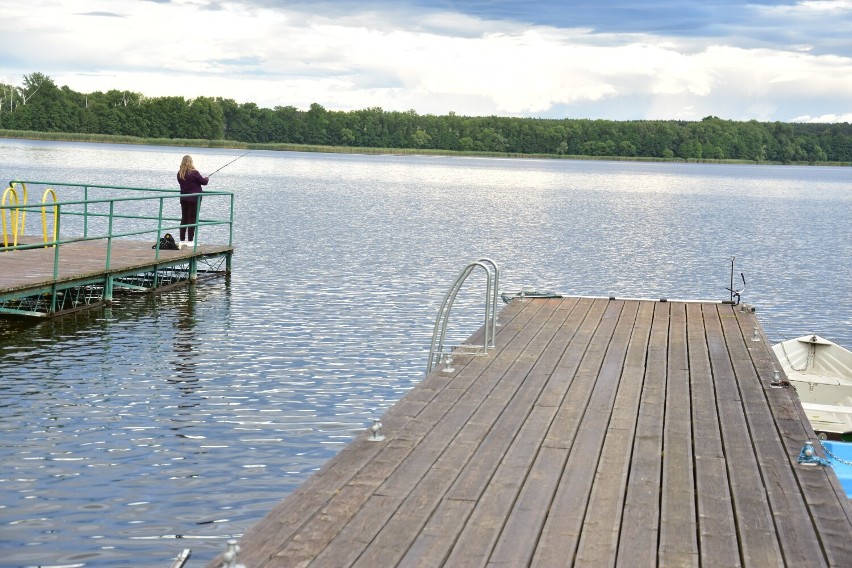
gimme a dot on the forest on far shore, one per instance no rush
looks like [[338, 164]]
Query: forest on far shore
[[40, 105]]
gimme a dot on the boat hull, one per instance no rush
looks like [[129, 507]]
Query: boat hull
[[821, 372]]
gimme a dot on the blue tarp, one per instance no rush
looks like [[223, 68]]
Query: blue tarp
[[840, 456]]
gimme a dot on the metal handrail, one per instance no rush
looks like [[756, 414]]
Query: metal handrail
[[22, 201], [14, 210], [52, 193], [84, 208], [492, 271], [493, 297]]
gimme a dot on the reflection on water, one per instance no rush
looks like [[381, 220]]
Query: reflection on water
[[175, 421], [185, 359]]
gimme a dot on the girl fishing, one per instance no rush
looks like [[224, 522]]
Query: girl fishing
[[190, 181]]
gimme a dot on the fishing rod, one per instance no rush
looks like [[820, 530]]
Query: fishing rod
[[734, 292], [228, 164]]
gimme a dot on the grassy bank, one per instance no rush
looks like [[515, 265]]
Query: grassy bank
[[281, 147]]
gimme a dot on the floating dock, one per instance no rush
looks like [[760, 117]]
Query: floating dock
[[83, 277], [99, 238], [597, 432]]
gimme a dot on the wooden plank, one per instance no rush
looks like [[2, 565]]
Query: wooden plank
[[520, 532], [480, 532], [759, 544], [578, 373], [561, 532], [717, 532], [472, 481], [798, 538], [637, 543], [599, 538], [678, 524], [31, 268], [387, 551], [414, 513], [431, 546]]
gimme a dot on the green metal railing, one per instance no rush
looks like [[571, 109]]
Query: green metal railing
[[142, 208]]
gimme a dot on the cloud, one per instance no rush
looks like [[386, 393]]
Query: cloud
[[104, 14], [598, 60], [825, 118]]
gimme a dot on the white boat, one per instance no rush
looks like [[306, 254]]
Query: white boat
[[821, 372]]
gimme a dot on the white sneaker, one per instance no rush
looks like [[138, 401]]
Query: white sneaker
[[189, 244]]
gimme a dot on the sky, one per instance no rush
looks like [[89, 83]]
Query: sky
[[767, 60]]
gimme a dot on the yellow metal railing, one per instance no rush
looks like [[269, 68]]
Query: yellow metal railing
[[18, 213], [23, 212], [13, 215], [47, 192]]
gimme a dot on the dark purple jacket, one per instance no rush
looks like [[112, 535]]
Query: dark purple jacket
[[192, 184]]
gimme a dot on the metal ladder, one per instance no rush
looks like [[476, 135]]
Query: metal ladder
[[492, 271]]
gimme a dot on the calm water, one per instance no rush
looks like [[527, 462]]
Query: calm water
[[128, 434]]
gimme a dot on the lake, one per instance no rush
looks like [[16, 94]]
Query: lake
[[174, 421]]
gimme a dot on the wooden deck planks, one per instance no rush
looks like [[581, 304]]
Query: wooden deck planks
[[598, 544], [599, 375], [470, 481], [678, 546], [717, 531], [598, 433], [759, 544], [29, 268], [640, 527], [796, 533]]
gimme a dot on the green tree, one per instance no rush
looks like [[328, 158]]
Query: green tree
[[204, 119], [286, 125], [315, 125], [38, 104], [347, 137], [598, 148], [491, 140], [166, 117], [690, 149], [626, 149], [241, 121], [47, 107], [420, 138]]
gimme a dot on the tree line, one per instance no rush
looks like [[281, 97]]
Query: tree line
[[40, 105]]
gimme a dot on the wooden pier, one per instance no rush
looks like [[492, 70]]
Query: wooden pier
[[29, 285], [598, 432]]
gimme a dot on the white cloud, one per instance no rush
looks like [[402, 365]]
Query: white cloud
[[826, 5], [825, 118], [436, 63]]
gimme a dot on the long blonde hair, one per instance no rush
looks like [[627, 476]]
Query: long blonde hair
[[186, 165]]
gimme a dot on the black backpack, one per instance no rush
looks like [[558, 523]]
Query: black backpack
[[167, 242]]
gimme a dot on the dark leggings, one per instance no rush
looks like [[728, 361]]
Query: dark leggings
[[188, 216]]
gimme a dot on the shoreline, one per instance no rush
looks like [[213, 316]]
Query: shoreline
[[285, 147]]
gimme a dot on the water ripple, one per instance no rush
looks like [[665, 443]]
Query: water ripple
[[176, 421]]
